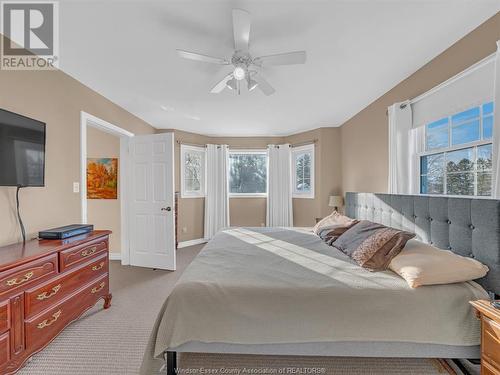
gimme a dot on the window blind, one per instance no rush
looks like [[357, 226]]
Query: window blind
[[471, 87]]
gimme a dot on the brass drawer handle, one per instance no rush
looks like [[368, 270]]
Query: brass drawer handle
[[98, 288], [25, 278], [89, 251], [46, 295], [48, 322], [98, 266]]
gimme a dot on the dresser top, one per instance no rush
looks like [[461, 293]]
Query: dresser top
[[485, 308], [18, 253]]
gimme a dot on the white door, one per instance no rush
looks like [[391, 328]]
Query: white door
[[151, 186]]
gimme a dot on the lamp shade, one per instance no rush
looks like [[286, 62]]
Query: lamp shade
[[336, 201]]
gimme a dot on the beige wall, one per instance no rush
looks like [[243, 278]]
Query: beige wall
[[252, 211], [364, 138], [105, 213], [56, 99]]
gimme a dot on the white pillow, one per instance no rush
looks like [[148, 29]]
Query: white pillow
[[422, 264]]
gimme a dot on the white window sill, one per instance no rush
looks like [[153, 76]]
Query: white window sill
[[303, 196], [247, 195]]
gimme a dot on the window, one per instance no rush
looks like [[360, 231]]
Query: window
[[458, 155], [192, 171], [303, 171], [248, 173]]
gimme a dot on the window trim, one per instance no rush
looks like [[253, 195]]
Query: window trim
[[202, 193], [248, 152], [450, 148], [301, 150]]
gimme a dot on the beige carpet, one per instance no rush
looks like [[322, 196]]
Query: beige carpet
[[113, 341], [233, 365]]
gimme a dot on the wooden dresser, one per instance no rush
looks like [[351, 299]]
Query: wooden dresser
[[490, 337], [44, 286]]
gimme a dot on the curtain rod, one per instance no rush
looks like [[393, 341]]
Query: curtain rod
[[313, 141], [488, 59]]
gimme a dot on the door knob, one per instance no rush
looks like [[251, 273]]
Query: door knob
[[166, 209]]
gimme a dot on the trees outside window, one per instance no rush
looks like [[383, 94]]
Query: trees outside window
[[192, 171], [303, 171], [248, 173], [458, 157]]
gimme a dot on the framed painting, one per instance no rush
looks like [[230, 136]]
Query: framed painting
[[102, 178]]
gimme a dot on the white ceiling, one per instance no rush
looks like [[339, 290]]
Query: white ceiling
[[357, 50]]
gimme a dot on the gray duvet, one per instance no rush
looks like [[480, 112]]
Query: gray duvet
[[278, 285]]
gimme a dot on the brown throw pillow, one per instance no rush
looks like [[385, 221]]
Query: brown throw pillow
[[372, 245], [331, 233]]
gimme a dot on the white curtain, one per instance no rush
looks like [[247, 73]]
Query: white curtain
[[217, 196], [496, 129], [279, 198], [400, 148]]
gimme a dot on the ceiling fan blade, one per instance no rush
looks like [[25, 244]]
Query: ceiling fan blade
[[241, 29], [290, 58], [221, 85], [199, 57], [263, 85]]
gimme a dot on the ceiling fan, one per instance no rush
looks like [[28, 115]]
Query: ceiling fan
[[245, 67]]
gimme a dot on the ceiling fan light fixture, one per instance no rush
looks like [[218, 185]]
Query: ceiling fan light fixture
[[231, 84], [252, 84], [239, 73]]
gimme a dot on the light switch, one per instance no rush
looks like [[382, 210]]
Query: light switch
[[76, 187]]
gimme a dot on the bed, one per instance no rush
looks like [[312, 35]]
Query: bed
[[284, 291]]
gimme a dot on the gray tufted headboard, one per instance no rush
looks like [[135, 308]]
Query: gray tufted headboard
[[466, 226]]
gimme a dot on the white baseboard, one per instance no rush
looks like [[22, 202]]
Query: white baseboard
[[115, 256], [191, 243]]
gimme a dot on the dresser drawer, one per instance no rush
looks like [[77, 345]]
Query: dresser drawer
[[491, 342], [28, 273], [4, 348], [4, 316], [73, 257], [42, 328], [488, 369], [46, 295]]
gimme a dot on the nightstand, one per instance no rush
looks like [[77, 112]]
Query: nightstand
[[490, 337]]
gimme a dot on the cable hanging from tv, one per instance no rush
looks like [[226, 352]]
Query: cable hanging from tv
[[23, 231]]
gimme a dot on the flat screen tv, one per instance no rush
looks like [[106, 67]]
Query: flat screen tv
[[22, 150]]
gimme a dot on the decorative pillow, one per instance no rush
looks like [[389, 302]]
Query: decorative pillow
[[334, 222], [372, 245], [422, 264], [331, 233]]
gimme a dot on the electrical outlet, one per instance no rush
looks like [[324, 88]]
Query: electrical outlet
[[184, 230], [76, 187]]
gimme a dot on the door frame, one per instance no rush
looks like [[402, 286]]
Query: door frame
[[86, 119]]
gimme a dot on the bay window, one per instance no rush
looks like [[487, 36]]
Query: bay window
[[192, 171], [248, 173], [303, 171]]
